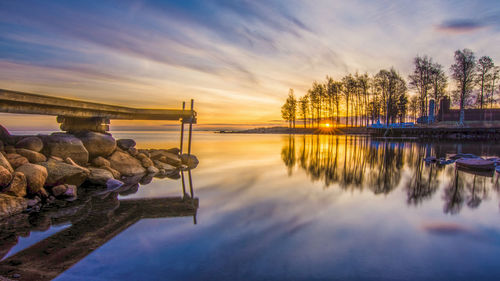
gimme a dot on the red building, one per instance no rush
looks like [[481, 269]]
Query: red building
[[447, 114]]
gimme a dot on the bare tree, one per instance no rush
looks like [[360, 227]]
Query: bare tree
[[349, 86], [421, 80], [463, 72], [439, 83], [303, 107], [289, 109], [484, 66], [492, 83]]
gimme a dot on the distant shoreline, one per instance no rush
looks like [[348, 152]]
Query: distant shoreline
[[299, 131]]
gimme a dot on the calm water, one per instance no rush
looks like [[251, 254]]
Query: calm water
[[274, 207]]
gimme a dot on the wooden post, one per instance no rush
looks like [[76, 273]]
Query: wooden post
[[190, 184], [182, 127], [183, 185], [190, 128]]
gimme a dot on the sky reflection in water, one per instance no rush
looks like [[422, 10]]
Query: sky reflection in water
[[312, 208]]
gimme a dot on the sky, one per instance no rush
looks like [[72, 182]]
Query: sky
[[236, 59]]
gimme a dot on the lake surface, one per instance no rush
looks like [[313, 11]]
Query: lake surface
[[275, 207]]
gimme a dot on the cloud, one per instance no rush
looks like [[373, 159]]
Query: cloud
[[461, 26]]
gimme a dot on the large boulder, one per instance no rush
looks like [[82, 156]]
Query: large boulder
[[125, 144], [16, 160], [31, 143], [126, 164], [35, 177], [99, 176], [64, 173], [32, 156], [66, 145], [17, 186], [98, 144], [5, 163], [10, 205], [5, 177]]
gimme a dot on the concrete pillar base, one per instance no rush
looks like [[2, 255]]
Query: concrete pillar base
[[77, 124]]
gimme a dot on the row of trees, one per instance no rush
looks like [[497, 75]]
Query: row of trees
[[361, 98]]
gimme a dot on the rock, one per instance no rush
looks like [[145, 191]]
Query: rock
[[33, 202], [153, 170], [166, 157], [126, 164], [113, 184], [144, 151], [59, 190], [125, 144], [98, 144], [71, 162], [174, 150], [10, 205], [52, 157], [71, 191], [10, 149], [115, 173], [30, 143], [146, 162], [32, 156], [5, 163], [5, 136], [147, 179], [17, 186], [35, 177], [5, 177], [133, 151], [99, 176], [64, 190], [16, 160], [66, 145], [43, 193], [163, 166], [190, 161], [1, 146], [64, 173], [101, 162]]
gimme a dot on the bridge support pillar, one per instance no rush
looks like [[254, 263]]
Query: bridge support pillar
[[78, 124]]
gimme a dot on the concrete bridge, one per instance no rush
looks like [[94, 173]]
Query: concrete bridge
[[75, 115]]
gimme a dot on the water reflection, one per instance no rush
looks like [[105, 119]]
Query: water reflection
[[381, 166], [94, 219]]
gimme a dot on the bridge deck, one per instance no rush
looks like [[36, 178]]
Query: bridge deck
[[27, 103]]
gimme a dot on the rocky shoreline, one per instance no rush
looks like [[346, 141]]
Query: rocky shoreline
[[39, 170]]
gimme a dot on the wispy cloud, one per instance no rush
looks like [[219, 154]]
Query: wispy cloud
[[461, 25]]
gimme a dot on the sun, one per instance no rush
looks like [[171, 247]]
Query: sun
[[327, 125]]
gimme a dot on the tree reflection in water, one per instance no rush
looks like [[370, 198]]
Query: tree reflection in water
[[359, 162]]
